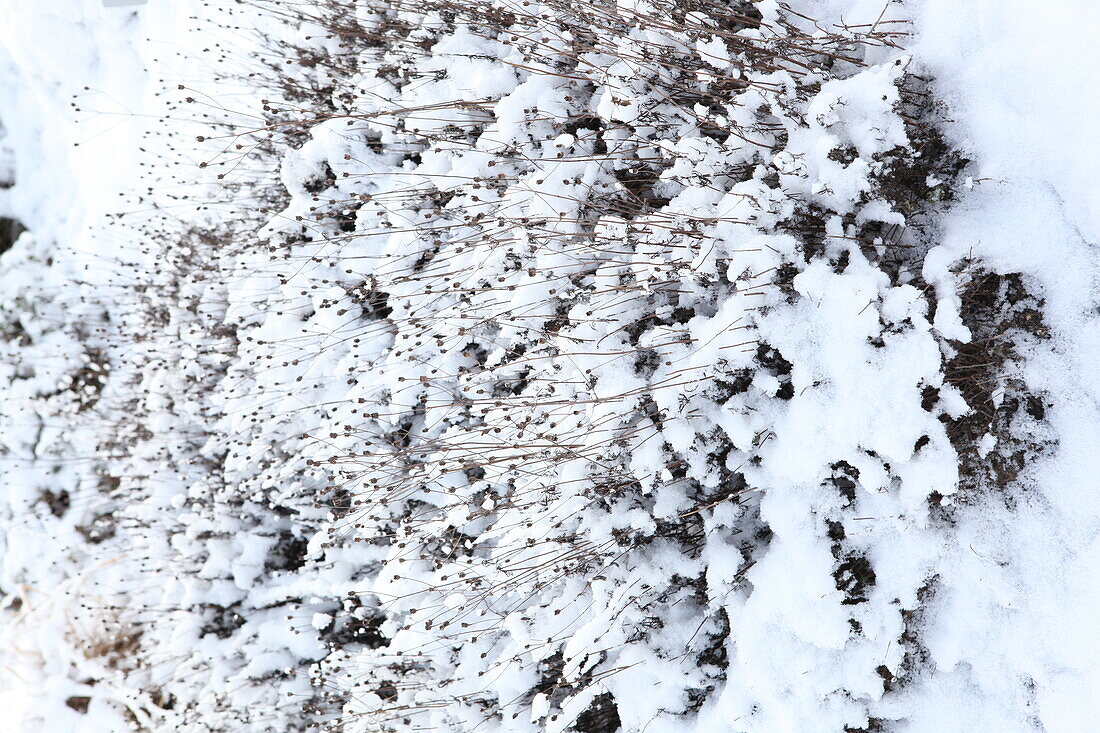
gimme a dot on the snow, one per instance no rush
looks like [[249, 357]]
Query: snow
[[1015, 634], [576, 393]]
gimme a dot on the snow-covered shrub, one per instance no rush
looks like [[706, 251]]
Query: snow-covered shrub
[[615, 355], [529, 366]]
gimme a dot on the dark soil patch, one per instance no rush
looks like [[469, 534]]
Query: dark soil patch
[[10, 229]]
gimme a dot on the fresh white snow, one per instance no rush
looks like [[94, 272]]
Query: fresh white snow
[[458, 435]]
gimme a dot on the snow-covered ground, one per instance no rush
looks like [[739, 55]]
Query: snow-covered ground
[[549, 366], [1016, 629]]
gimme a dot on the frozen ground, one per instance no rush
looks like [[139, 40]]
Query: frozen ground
[[790, 430]]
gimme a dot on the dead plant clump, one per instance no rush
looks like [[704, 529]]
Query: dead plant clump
[[1003, 433]]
